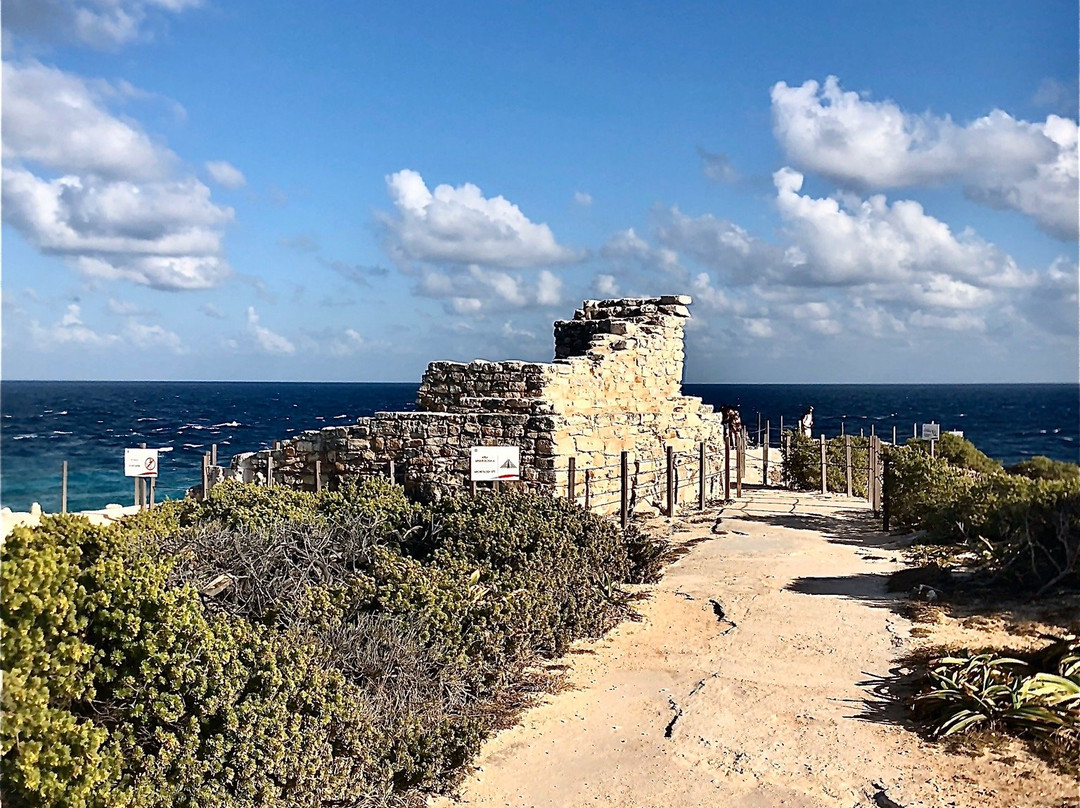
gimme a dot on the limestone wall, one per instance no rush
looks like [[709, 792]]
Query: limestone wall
[[614, 386]]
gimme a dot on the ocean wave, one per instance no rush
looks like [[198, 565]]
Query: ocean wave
[[140, 420], [58, 432], [343, 415], [229, 423], [194, 445], [27, 436]]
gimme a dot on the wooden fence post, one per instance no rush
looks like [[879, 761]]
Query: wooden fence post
[[885, 486], [318, 476], [153, 485], [727, 464], [206, 476], [624, 492], [701, 477], [872, 476], [670, 475], [269, 469], [847, 463], [588, 488], [765, 457], [571, 481], [392, 471], [740, 460], [63, 488], [894, 436], [213, 454], [824, 469]]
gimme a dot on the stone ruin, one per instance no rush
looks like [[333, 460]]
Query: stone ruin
[[615, 385]]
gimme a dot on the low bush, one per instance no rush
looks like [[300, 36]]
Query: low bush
[[119, 690], [267, 647], [1021, 530], [1043, 468], [959, 453]]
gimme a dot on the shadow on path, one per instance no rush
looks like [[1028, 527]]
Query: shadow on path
[[852, 527], [868, 587]]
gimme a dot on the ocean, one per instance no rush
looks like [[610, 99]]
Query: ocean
[[89, 424]]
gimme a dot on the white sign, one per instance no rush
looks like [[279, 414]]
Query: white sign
[[931, 431], [495, 463], [140, 463]]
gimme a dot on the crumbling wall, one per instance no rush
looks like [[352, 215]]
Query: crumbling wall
[[614, 386]]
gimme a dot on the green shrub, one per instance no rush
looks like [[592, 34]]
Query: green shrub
[[119, 690], [1023, 530], [958, 452], [268, 647], [1043, 468]]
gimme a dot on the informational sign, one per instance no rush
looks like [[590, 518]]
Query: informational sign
[[495, 463], [931, 431], [140, 462]]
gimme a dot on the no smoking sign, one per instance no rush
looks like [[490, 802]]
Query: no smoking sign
[[140, 462]]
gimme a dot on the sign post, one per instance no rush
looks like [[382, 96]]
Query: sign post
[[495, 463], [142, 464], [932, 433]]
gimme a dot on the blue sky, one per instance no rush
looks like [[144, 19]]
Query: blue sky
[[852, 192]]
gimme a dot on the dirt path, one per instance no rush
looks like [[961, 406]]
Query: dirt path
[[746, 685]]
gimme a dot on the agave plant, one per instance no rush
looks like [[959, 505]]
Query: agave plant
[[983, 689]]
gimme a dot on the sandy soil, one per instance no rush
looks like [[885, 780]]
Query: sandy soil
[[751, 681]]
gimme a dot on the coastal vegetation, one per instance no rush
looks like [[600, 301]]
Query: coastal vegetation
[[273, 647]]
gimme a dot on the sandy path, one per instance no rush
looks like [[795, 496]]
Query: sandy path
[[741, 686]]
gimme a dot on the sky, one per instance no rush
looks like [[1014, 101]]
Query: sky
[[851, 192]]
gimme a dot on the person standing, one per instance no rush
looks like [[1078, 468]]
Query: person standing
[[806, 423]]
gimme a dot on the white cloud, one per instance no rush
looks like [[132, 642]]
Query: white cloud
[[461, 226], [862, 266], [478, 291], [122, 308], [582, 198], [104, 25], [627, 252], [1000, 160], [346, 343], [606, 285], [70, 330], [848, 242], [116, 211], [265, 339], [152, 336], [548, 289], [225, 174], [58, 121]]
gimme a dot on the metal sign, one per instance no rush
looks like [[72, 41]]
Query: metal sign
[[140, 462], [931, 431], [495, 463]]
